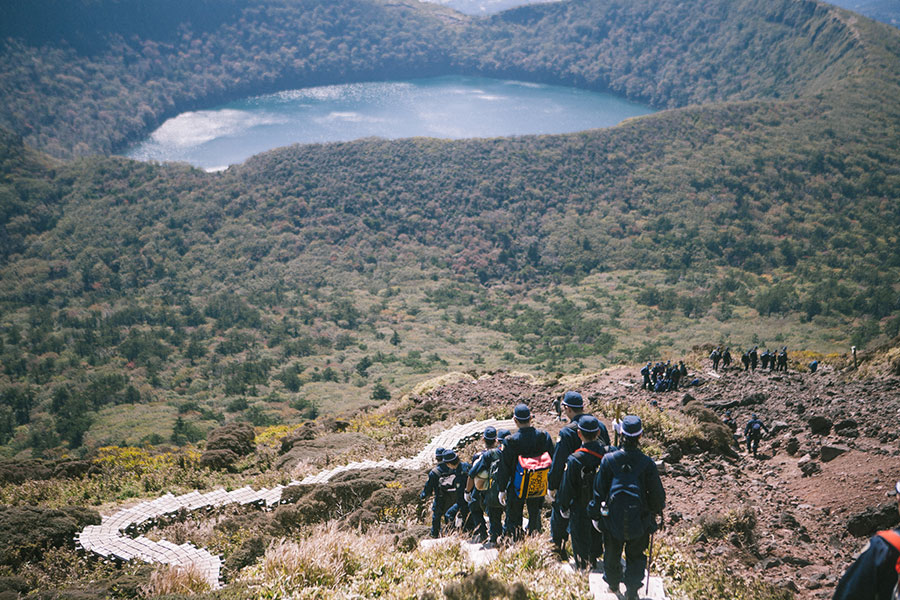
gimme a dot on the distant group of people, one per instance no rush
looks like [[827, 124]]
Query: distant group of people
[[751, 359], [607, 499], [663, 376]]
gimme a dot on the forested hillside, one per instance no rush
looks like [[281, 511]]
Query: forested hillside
[[142, 298]]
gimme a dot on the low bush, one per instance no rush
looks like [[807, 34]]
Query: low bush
[[740, 521], [169, 579], [27, 531]]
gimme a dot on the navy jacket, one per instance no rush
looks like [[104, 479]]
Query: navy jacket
[[749, 428], [570, 490], [654, 500], [527, 442], [872, 576], [568, 443]]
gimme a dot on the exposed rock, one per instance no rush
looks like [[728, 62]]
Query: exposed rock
[[873, 519], [830, 452], [673, 454], [808, 466], [819, 425], [752, 399], [778, 427]]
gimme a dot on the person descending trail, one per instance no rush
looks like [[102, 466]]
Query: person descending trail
[[480, 496], [522, 476], [753, 433], [576, 492], [567, 443], [628, 496], [446, 481], [875, 574]]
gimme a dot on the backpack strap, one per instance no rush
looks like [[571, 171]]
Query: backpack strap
[[892, 538], [589, 451]]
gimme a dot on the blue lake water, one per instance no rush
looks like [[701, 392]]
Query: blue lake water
[[442, 107]]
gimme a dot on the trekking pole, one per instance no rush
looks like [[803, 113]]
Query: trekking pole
[[649, 562]]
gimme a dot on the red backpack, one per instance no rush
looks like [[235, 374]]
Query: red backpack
[[893, 538]]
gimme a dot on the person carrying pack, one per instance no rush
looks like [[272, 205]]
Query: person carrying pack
[[568, 442], [875, 574], [477, 484], [482, 489], [753, 433], [522, 474], [577, 490], [447, 482], [628, 494]]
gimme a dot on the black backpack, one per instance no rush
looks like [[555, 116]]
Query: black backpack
[[448, 483], [586, 493], [492, 493], [625, 502]]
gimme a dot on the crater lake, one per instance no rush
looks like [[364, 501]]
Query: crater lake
[[442, 107]]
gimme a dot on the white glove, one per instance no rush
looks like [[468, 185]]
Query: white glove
[[597, 525], [564, 514], [468, 496], [459, 521], [551, 494], [502, 498]]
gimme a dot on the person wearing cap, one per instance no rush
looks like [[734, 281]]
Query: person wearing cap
[[875, 574], [525, 442], [473, 496], [480, 501], [447, 482], [567, 443], [645, 373], [622, 474], [576, 491], [753, 433], [438, 455]]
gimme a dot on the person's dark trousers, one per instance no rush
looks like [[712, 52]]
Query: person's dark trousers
[[635, 561], [495, 517], [515, 508], [475, 521], [559, 526], [437, 512], [535, 506], [587, 542]]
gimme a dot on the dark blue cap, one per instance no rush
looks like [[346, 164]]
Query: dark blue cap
[[632, 426], [522, 412], [589, 424], [438, 452], [573, 400], [490, 433], [448, 456]]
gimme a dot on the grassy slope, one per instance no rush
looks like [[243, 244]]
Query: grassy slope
[[299, 231]]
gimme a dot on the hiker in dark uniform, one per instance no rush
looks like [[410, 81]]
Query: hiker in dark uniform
[[473, 495], [645, 372], [875, 574], [527, 442], [753, 433], [814, 366], [715, 356], [676, 377], [726, 359], [764, 360], [447, 482], [782, 360], [754, 357], [745, 360], [568, 442], [683, 369], [577, 489], [477, 493], [628, 494]]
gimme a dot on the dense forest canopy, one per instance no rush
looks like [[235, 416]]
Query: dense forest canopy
[[760, 207]]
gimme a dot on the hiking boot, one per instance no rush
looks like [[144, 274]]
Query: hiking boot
[[488, 545], [561, 553], [631, 595]]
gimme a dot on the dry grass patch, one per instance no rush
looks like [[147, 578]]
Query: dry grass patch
[[175, 579]]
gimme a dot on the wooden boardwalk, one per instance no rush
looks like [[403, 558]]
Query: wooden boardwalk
[[113, 538]]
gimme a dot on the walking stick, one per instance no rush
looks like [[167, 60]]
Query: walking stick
[[649, 562]]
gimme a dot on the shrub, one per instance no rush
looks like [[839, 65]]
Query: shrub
[[741, 521], [228, 443], [480, 586], [27, 531], [218, 460], [20, 471]]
